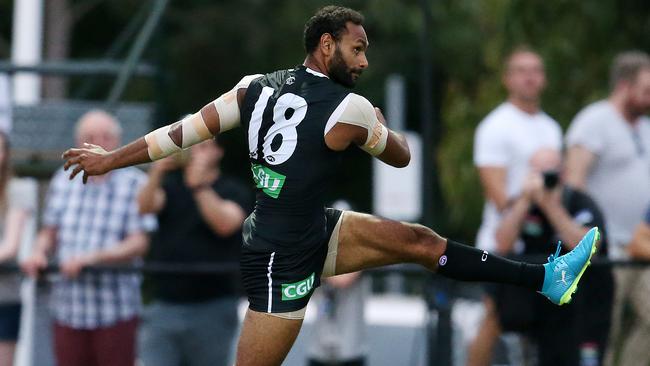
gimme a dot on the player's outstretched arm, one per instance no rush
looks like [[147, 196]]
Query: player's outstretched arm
[[94, 160], [218, 116], [365, 126], [165, 141]]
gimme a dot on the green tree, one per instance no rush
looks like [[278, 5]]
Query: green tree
[[205, 46]]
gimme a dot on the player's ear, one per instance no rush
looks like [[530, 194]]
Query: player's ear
[[327, 44]]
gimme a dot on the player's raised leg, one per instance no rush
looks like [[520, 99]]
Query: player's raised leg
[[366, 241], [265, 339]]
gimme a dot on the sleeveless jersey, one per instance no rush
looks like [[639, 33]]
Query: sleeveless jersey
[[285, 114]]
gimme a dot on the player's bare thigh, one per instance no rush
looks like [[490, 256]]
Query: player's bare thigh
[[367, 241], [265, 340]]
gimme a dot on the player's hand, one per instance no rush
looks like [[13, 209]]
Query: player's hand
[[91, 159], [34, 264]]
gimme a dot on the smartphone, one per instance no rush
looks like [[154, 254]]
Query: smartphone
[[551, 179]]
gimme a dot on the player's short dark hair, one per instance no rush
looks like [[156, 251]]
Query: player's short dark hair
[[329, 19]]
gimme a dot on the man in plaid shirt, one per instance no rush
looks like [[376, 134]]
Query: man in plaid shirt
[[95, 314]]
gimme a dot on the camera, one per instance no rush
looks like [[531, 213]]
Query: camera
[[551, 179]]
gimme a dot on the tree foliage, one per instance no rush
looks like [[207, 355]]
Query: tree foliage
[[577, 41], [205, 46]]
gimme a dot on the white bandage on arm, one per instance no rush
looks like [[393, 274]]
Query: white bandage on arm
[[377, 138], [228, 111], [193, 127], [359, 111], [159, 144], [227, 106], [192, 131]]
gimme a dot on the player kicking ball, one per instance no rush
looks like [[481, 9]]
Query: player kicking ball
[[299, 121]]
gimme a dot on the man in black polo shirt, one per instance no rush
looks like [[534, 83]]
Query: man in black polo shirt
[[192, 318], [547, 211]]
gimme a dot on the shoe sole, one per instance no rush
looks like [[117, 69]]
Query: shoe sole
[[566, 298]]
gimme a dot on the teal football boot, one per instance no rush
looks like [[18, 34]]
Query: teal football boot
[[562, 274]]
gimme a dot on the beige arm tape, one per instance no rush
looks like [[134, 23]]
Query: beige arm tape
[[194, 129], [227, 106], [360, 112], [159, 144]]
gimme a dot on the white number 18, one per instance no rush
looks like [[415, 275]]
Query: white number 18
[[283, 125]]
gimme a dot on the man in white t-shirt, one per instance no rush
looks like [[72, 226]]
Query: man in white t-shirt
[[506, 139], [609, 157], [503, 145]]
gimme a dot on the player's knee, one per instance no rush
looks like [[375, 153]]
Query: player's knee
[[428, 244]]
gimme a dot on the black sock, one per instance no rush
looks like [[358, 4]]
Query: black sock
[[466, 263]]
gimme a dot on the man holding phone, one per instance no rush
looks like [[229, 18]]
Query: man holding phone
[[547, 211], [504, 142], [192, 318]]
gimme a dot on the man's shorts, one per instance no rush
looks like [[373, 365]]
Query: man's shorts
[[284, 282], [9, 322]]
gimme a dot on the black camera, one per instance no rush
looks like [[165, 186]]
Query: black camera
[[551, 179]]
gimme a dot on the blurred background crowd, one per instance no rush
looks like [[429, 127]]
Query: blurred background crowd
[[529, 121]]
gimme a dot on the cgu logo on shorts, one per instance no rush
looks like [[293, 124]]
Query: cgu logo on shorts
[[270, 181], [298, 290]]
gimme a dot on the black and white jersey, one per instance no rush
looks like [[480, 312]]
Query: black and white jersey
[[286, 114]]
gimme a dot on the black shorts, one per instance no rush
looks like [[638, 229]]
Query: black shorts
[[277, 282]]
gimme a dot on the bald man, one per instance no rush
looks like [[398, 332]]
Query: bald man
[[99, 128], [95, 314]]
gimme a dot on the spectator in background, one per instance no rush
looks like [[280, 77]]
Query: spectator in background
[[5, 103], [639, 248], [548, 211], [339, 332], [503, 145], [609, 157], [16, 208], [507, 138], [95, 314], [339, 337], [192, 319]]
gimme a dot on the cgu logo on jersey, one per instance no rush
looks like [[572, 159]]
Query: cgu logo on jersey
[[298, 290], [269, 181]]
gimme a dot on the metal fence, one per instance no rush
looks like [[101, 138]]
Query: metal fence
[[438, 293]]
